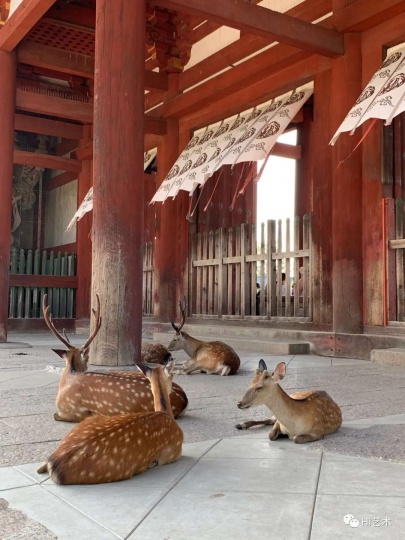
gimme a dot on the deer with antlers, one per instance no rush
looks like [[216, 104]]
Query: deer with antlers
[[85, 393], [206, 356], [304, 416], [102, 450]]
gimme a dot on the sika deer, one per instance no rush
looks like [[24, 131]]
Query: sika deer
[[206, 356], [304, 416], [155, 353], [82, 394], [111, 449]]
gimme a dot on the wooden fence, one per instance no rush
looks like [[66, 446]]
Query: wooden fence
[[237, 273], [394, 263], [147, 279], [33, 274]]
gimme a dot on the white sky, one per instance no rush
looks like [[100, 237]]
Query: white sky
[[276, 188]]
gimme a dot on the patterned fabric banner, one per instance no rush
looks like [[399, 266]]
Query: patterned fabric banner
[[87, 203], [382, 98], [227, 142]]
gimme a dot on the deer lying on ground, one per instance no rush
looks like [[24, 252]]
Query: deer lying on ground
[[304, 416], [206, 356], [111, 449], [155, 353], [85, 393]]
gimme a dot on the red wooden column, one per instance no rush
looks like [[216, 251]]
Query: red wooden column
[[347, 195], [8, 66], [84, 245], [118, 179], [168, 239]]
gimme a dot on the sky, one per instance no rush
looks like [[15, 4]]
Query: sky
[[276, 188]]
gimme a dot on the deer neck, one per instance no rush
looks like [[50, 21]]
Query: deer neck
[[191, 345], [281, 404], [160, 396]]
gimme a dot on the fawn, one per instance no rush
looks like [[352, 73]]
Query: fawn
[[155, 353], [206, 356], [103, 449], [82, 394], [304, 416]]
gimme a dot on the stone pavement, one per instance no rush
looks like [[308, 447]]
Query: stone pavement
[[228, 484]]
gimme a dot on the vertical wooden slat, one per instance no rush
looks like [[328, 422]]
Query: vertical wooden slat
[[50, 270], [310, 274], [28, 271], [263, 265], [230, 273], [271, 269], [287, 271], [198, 290], [210, 271], [71, 292], [20, 294], [44, 272], [253, 272], [56, 290], [296, 267], [63, 291], [399, 233], [217, 255], [35, 291], [279, 270], [305, 245], [13, 290], [204, 273], [222, 274], [238, 283]]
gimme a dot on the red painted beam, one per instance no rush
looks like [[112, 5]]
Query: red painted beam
[[44, 126], [24, 280], [21, 157], [24, 18]]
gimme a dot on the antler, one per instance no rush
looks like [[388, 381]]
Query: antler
[[183, 308], [48, 319], [98, 324]]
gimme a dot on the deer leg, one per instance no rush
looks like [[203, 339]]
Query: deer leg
[[66, 417], [225, 370], [275, 432], [43, 468], [169, 455], [300, 439], [246, 425]]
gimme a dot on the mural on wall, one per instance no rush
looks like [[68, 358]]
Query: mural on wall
[[27, 189]]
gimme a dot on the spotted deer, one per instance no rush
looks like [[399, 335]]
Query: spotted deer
[[207, 356], [85, 393], [100, 449], [304, 416], [155, 353]]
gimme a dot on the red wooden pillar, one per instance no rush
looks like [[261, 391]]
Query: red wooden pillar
[[84, 246], [167, 243], [118, 179], [347, 195], [8, 68]]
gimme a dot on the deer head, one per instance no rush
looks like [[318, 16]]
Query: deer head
[[156, 375], [261, 385], [177, 343], [77, 357]]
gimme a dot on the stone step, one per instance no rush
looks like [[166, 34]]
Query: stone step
[[388, 357], [269, 346]]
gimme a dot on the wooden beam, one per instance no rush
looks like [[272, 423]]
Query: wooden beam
[[309, 10], [151, 141], [81, 65], [24, 18], [60, 180], [44, 126], [26, 280], [364, 14], [46, 161], [289, 151], [85, 151], [264, 22], [155, 126], [74, 14], [35, 54], [54, 106], [66, 146]]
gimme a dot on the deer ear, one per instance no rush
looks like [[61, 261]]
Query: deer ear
[[60, 352], [168, 358], [262, 365], [169, 368], [279, 372], [146, 370]]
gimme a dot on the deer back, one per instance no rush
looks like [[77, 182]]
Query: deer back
[[155, 353], [106, 394], [103, 449]]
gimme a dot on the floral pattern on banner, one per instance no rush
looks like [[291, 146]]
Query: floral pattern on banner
[[383, 97]]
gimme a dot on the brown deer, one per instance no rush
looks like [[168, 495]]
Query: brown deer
[[85, 393], [207, 356], [304, 416], [103, 449], [155, 353]]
